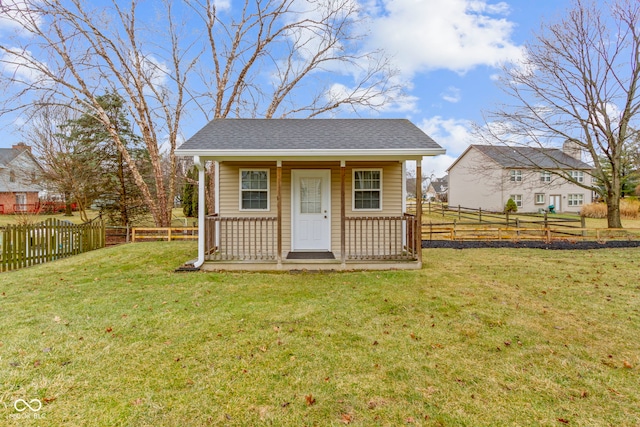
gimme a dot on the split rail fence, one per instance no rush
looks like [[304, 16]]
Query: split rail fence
[[26, 245], [139, 234]]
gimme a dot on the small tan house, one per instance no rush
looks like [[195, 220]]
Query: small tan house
[[308, 193], [19, 175], [487, 176]]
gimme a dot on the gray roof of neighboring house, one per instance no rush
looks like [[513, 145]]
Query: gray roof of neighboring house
[[441, 184], [531, 157], [23, 181], [310, 134], [7, 155]]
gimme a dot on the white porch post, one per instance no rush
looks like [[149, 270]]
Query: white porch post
[[343, 236], [279, 207], [419, 209], [201, 210]]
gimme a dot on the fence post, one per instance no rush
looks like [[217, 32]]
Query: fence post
[[546, 223], [583, 225], [458, 211], [429, 207], [480, 215]]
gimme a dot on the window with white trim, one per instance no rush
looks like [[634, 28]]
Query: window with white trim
[[539, 199], [254, 189], [367, 189], [515, 175], [545, 176], [517, 198], [575, 199], [578, 176]]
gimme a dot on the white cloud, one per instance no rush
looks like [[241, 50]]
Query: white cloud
[[155, 72], [456, 35], [14, 15], [222, 4], [452, 94], [20, 65], [454, 135], [389, 101], [437, 165]]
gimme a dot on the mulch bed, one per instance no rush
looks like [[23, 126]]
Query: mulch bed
[[556, 244]]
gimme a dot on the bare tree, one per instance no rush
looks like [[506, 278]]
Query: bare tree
[[294, 43], [578, 82], [69, 167], [271, 58], [66, 52]]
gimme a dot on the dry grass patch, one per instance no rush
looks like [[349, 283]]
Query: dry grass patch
[[629, 209], [478, 337]]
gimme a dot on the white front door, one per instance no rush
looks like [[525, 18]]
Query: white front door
[[554, 200], [311, 210]]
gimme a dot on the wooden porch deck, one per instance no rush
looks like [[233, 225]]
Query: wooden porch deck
[[367, 243]]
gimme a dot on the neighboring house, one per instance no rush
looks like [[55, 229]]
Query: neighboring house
[[308, 193], [437, 190], [19, 172], [487, 176]]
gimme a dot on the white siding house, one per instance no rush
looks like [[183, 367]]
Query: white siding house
[[487, 176]]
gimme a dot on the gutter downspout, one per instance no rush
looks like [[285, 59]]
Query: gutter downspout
[[201, 210]]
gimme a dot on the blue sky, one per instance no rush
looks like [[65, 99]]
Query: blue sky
[[447, 51]]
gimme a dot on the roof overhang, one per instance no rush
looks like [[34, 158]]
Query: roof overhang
[[315, 155]]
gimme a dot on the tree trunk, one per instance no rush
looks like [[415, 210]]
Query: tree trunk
[[68, 211], [210, 189], [613, 210], [124, 217]]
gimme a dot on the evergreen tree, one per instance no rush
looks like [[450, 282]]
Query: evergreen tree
[[114, 190]]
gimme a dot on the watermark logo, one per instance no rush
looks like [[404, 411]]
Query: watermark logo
[[27, 409], [22, 405]]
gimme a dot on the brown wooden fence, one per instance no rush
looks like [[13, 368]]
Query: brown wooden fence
[[26, 245], [139, 234]]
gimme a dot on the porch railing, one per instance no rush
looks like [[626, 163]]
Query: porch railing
[[381, 238], [366, 238], [241, 239]]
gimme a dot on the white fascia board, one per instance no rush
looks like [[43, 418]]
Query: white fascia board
[[389, 154]]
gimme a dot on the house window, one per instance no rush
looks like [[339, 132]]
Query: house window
[[545, 176], [21, 202], [367, 189], [578, 176], [539, 198], [575, 199], [12, 176], [517, 198], [254, 189], [515, 175]]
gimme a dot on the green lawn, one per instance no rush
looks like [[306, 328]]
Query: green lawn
[[478, 337]]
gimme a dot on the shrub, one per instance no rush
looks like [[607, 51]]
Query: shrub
[[510, 207]]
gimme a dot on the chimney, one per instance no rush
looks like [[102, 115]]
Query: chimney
[[571, 148], [21, 146]]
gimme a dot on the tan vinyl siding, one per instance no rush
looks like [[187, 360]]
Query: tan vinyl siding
[[391, 193]]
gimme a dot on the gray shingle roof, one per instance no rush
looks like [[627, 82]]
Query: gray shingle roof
[[531, 157], [304, 134], [7, 155]]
